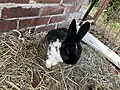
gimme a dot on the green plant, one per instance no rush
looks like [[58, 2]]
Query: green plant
[[113, 11]]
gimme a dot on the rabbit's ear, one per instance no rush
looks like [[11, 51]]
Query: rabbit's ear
[[71, 31], [82, 31]]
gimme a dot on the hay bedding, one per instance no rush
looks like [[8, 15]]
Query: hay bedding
[[22, 67]]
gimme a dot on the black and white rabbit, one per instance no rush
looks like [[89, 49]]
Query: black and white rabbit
[[64, 44]]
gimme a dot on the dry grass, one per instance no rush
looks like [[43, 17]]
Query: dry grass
[[22, 67]]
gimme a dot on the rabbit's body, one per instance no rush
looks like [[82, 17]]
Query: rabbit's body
[[53, 54], [64, 44], [55, 39]]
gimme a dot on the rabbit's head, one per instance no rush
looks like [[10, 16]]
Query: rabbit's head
[[71, 49]]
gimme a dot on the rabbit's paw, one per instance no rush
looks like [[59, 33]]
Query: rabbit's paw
[[50, 63]]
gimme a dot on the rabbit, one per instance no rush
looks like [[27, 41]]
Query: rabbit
[[64, 44]]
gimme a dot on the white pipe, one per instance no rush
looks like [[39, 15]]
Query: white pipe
[[99, 46]]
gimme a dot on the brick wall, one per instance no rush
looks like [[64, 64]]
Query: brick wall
[[38, 15]]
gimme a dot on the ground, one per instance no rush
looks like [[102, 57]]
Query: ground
[[22, 67], [107, 35]]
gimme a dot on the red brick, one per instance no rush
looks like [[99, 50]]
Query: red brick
[[14, 1], [55, 19], [33, 22], [70, 9], [63, 25], [51, 10], [45, 28], [19, 12], [47, 1], [7, 25], [71, 1]]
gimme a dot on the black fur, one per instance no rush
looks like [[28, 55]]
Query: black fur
[[71, 32], [59, 33], [82, 31], [70, 49], [70, 52]]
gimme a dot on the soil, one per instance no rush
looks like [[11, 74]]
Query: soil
[[107, 35]]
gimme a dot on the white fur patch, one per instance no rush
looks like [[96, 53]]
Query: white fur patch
[[53, 54]]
